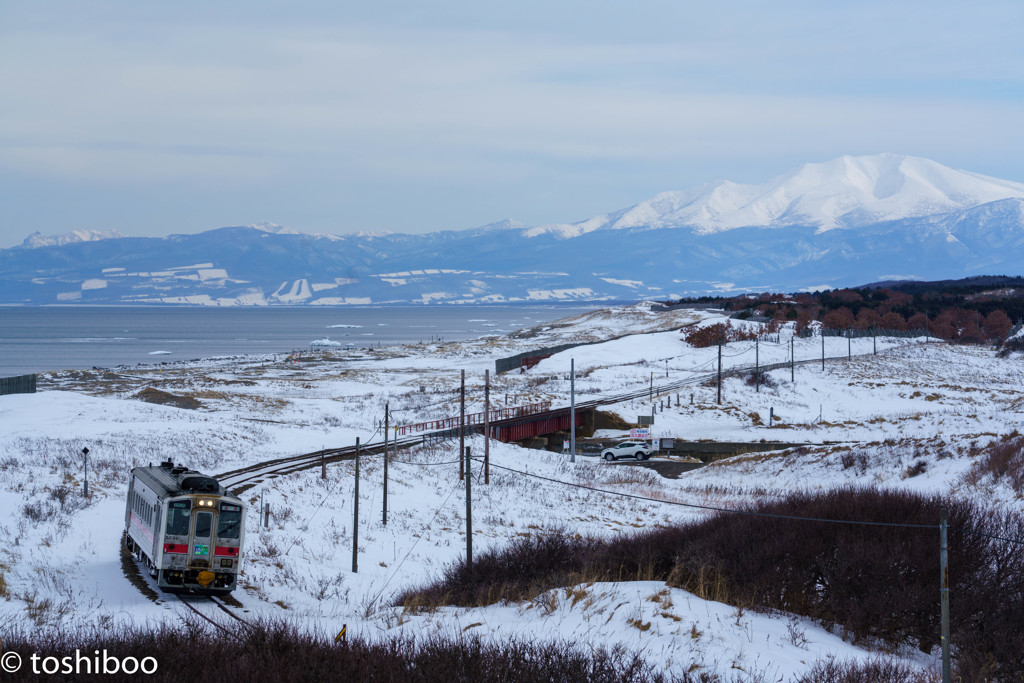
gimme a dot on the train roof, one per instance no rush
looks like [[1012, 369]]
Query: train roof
[[175, 480]]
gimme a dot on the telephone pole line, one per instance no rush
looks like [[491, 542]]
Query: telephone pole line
[[469, 513], [355, 517], [487, 426], [386, 458], [462, 424]]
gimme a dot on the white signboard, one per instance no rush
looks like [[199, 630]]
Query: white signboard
[[642, 433]]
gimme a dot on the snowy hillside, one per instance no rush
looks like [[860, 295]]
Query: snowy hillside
[[913, 416]]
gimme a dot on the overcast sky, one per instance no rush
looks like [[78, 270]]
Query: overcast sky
[[416, 116]]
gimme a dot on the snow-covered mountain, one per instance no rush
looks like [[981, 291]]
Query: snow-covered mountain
[[38, 239], [844, 222], [842, 193]]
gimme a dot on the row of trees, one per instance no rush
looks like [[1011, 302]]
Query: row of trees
[[955, 324], [980, 320]]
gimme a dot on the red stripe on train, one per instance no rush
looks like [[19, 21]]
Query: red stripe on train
[[175, 548], [227, 552]]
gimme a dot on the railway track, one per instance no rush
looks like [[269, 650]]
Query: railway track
[[190, 601], [242, 479]]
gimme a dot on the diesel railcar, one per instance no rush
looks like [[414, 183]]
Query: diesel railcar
[[185, 528]]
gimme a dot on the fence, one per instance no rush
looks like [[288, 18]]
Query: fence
[[452, 423], [528, 359], [517, 361], [23, 384]]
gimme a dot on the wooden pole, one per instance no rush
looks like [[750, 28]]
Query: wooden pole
[[944, 577], [719, 368], [355, 517], [487, 426], [572, 410], [386, 464], [469, 513], [462, 425]]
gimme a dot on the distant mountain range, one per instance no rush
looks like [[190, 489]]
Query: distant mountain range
[[839, 223]]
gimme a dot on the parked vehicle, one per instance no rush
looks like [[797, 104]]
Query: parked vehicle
[[628, 449]]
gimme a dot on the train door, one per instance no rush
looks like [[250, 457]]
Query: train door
[[202, 531]]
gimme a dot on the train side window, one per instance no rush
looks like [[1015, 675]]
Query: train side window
[[230, 523], [178, 517]]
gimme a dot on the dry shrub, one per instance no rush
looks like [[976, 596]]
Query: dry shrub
[[1003, 459], [878, 670], [759, 377], [151, 395], [278, 652], [1011, 345], [872, 582]]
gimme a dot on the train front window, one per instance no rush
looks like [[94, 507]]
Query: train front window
[[179, 514], [230, 523], [204, 524]]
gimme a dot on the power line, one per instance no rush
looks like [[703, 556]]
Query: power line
[[720, 509], [982, 533], [758, 514], [413, 546]]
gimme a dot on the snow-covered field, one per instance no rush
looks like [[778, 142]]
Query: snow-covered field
[[912, 416]]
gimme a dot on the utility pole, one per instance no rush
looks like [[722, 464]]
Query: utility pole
[[874, 340], [944, 578], [462, 424], [385, 464], [572, 410], [355, 517], [323, 462], [719, 368], [85, 469], [823, 349], [469, 513], [757, 364], [792, 359], [650, 395], [849, 344], [487, 426]]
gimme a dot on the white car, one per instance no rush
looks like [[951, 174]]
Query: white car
[[627, 449]]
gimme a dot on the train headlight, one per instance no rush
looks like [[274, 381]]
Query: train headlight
[[226, 564], [206, 503]]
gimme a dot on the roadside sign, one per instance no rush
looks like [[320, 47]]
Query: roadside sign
[[642, 433]]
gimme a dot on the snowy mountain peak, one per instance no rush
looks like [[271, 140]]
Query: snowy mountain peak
[[38, 239], [841, 193], [274, 228], [504, 224]]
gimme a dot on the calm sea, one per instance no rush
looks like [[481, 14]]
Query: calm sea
[[39, 339]]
